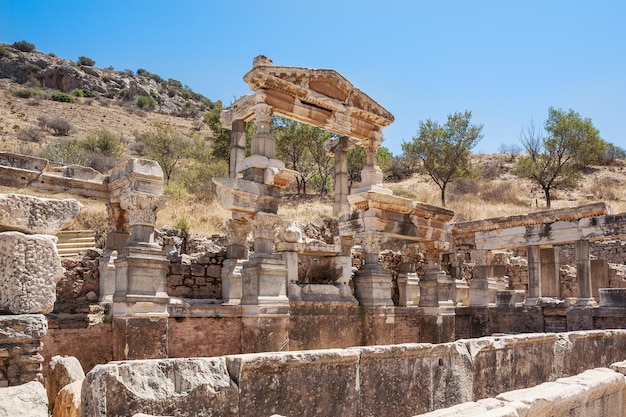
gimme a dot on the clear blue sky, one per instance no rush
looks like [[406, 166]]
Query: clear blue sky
[[506, 61]]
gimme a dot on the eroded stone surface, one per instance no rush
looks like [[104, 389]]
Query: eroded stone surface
[[181, 387], [67, 402], [26, 400], [62, 370], [35, 215], [30, 267], [22, 328]]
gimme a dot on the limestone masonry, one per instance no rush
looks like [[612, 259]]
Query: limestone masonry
[[384, 312]]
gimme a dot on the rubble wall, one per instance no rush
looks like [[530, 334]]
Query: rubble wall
[[394, 381]]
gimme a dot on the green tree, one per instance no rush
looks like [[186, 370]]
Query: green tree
[[220, 137], [292, 149], [166, 146], [88, 62], [554, 160], [445, 149], [357, 158]]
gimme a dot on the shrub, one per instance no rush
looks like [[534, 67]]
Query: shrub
[[4, 52], [62, 97], [88, 62], [67, 153], [30, 134], [28, 93], [182, 224], [104, 142], [59, 126], [145, 102], [77, 92], [24, 46]]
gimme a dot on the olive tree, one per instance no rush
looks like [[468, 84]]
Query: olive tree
[[554, 159], [445, 149]]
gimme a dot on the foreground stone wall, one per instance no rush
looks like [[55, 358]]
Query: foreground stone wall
[[399, 380], [594, 393]]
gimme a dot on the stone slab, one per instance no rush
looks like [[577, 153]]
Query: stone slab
[[180, 387], [22, 328], [26, 400], [30, 268], [35, 215]]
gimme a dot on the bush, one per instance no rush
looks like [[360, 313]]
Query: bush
[[4, 52], [62, 97], [104, 142], [30, 134], [67, 153], [88, 62], [145, 102], [182, 224], [28, 93], [24, 46], [58, 125]]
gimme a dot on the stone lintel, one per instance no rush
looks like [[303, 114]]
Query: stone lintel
[[249, 197]]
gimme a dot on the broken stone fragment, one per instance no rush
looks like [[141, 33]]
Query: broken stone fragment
[[35, 215], [30, 268], [26, 400]]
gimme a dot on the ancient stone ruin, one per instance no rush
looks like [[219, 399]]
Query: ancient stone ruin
[[400, 312]]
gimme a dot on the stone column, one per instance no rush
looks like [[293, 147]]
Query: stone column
[[116, 239], [436, 285], [265, 304], [140, 298], [534, 275], [372, 283], [263, 143], [550, 286], [479, 286], [339, 147], [236, 254], [583, 274], [408, 281], [237, 145]]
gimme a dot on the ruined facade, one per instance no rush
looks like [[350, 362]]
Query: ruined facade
[[289, 293]]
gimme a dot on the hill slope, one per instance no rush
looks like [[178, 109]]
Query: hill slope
[[496, 193]]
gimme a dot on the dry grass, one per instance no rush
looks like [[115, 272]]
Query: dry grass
[[496, 193]]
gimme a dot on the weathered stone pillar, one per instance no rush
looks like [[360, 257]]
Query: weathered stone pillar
[[436, 285], [372, 283], [583, 274], [534, 275], [479, 286], [550, 286], [265, 304], [408, 281], [263, 143], [116, 239], [236, 254], [237, 145], [339, 147], [599, 276], [140, 299]]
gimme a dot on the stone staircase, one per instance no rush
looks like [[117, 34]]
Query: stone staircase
[[75, 242]]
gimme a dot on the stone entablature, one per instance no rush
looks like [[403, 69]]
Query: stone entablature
[[548, 227], [320, 97]]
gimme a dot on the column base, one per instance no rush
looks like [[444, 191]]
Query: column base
[[140, 338], [372, 286]]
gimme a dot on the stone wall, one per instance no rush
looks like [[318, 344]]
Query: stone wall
[[399, 380], [596, 393]]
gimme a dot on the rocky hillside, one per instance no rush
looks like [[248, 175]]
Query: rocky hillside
[[109, 100], [48, 71]]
